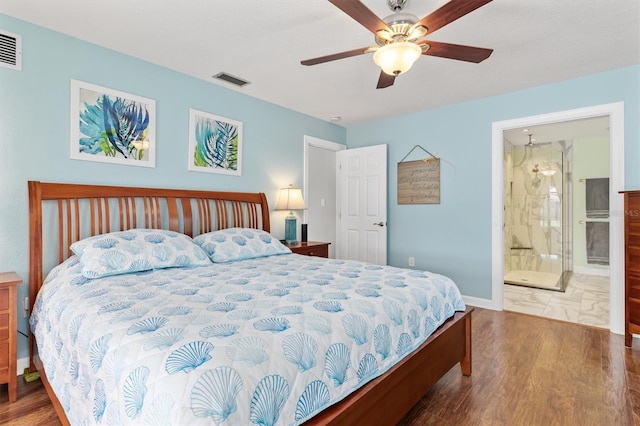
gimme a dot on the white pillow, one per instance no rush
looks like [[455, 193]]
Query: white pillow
[[228, 245], [136, 250]]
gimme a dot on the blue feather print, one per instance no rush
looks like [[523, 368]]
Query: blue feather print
[[125, 122], [216, 144]]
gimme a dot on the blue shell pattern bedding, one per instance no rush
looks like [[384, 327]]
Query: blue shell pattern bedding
[[272, 340]]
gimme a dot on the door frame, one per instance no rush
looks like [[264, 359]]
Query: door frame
[[615, 111], [310, 141]]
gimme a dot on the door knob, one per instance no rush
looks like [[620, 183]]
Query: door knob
[[379, 224]]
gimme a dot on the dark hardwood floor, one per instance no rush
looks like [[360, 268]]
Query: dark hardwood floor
[[526, 371]]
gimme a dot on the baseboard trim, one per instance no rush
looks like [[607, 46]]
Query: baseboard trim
[[480, 303], [21, 365], [602, 272]]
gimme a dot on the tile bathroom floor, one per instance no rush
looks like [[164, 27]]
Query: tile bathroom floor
[[585, 301]]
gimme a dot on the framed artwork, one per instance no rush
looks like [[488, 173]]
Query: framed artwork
[[215, 144], [111, 126]]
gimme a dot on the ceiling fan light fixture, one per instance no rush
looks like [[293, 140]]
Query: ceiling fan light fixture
[[397, 58]]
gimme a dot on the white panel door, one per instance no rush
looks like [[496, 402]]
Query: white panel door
[[362, 181]]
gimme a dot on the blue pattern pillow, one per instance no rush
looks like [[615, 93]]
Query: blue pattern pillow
[[136, 250], [228, 245]]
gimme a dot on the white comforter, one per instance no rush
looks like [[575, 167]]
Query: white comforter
[[268, 341]]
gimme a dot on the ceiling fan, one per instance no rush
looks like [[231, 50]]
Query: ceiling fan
[[400, 36]]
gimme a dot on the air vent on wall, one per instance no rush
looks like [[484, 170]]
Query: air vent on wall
[[10, 50], [230, 79]]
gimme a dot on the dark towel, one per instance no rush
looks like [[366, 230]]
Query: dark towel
[[598, 243], [597, 198]]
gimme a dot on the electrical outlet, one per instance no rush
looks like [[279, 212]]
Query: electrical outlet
[[25, 307], [412, 261]]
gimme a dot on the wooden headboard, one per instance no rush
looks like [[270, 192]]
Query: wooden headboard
[[64, 213]]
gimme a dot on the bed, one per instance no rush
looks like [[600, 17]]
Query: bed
[[217, 333]]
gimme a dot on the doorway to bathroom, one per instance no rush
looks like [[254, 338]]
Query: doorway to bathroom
[[561, 220], [556, 231]]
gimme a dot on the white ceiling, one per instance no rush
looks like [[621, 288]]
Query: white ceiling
[[535, 42]]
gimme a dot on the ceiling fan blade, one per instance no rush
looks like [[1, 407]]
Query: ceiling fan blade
[[336, 56], [361, 13], [385, 80], [456, 51], [449, 12]]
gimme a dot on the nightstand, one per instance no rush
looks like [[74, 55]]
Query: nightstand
[[9, 331], [310, 248]]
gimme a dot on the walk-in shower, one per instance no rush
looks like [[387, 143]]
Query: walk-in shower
[[536, 213]]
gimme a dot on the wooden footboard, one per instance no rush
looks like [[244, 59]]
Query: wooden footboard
[[36, 364], [385, 400]]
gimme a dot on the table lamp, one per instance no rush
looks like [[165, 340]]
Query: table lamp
[[290, 199]]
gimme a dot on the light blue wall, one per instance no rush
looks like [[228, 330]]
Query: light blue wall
[[34, 132], [454, 237]]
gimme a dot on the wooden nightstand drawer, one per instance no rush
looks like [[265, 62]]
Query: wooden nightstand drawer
[[9, 282], [4, 362], [4, 326], [311, 248], [4, 299], [316, 251]]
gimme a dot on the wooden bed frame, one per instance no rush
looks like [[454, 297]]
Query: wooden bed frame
[[60, 214]]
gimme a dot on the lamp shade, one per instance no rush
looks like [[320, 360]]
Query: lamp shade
[[397, 58], [290, 199]]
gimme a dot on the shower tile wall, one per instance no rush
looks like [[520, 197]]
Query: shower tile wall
[[536, 210]]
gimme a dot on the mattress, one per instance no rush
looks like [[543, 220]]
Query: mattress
[[272, 340]]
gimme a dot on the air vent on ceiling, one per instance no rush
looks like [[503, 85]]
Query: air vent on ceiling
[[230, 79], [10, 50]]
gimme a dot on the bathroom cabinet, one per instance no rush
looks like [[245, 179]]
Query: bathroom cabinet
[[631, 265]]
